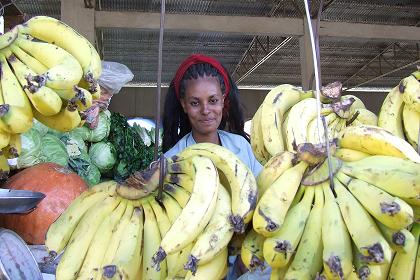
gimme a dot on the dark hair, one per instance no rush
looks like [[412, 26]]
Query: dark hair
[[175, 121]]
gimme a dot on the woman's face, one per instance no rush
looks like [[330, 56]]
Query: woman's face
[[203, 103]]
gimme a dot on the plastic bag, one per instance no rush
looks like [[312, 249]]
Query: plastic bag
[[114, 76]]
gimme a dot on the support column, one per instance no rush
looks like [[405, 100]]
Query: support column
[[82, 19], [306, 60]]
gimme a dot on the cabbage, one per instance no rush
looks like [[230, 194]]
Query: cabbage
[[74, 144], [31, 149], [53, 150], [40, 127], [102, 130], [85, 169], [82, 132], [103, 155]]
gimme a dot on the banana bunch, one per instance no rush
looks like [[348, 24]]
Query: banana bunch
[[50, 72], [288, 117], [130, 231], [400, 111]]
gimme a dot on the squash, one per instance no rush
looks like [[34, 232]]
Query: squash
[[60, 185]]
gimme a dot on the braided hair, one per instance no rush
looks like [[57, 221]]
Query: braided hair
[[176, 123]]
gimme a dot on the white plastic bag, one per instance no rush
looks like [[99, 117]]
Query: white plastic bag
[[114, 76]]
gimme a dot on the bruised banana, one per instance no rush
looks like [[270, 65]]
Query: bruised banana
[[410, 87], [400, 240], [67, 119], [80, 96], [411, 120], [214, 269], [252, 250], [390, 115]]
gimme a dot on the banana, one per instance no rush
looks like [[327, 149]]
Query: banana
[[79, 95], [313, 131], [257, 141], [196, 214], [4, 139], [180, 167], [368, 271], [57, 32], [346, 154], [273, 169], [278, 273], [337, 253], [390, 115], [411, 120], [377, 141], [308, 259], [396, 176], [30, 61], [400, 240], [14, 147], [97, 248], [389, 210], [216, 234], [153, 236], [44, 99], [213, 269], [181, 195], [183, 180], [368, 239], [252, 250], [403, 265], [367, 117], [243, 187], [410, 89], [127, 259], [164, 225], [75, 252], [4, 167], [67, 119], [7, 38], [273, 206], [275, 104], [280, 248], [357, 104], [417, 271], [59, 232]]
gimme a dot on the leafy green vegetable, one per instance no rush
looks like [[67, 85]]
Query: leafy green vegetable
[[53, 150], [102, 130], [85, 169], [82, 132], [31, 149], [103, 155]]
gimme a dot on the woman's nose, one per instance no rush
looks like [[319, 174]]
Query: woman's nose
[[205, 109]]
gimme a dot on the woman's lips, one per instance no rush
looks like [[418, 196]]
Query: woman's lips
[[207, 121]]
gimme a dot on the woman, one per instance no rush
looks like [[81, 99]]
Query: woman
[[201, 102]]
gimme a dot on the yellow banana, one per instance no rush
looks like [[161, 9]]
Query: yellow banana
[[215, 236], [4, 167], [313, 131], [14, 147], [403, 265], [337, 253], [252, 250], [273, 169], [389, 210], [390, 115], [59, 232], [180, 167], [417, 270], [400, 240], [363, 230], [67, 119], [280, 248], [308, 259], [180, 194], [275, 202], [376, 141], [44, 99], [357, 104], [54, 31], [97, 248], [410, 87], [346, 154], [183, 180], [64, 70], [257, 141], [411, 120], [241, 181], [152, 237], [213, 269], [7, 38], [4, 139], [396, 176], [79, 95], [196, 214], [367, 117], [30, 61], [369, 271], [75, 252]]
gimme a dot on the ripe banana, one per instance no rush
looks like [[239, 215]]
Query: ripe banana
[[239, 177], [4, 167], [4, 139], [410, 87], [363, 230], [275, 104], [7, 38], [308, 259], [216, 234], [181, 195], [390, 115], [79, 95], [389, 210], [14, 147], [403, 265], [257, 141], [59, 232], [400, 240], [75, 252], [67, 119], [30, 61], [376, 141], [357, 104], [411, 120], [54, 31], [196, 214], [97, 248], [337, 251], [313, 132], [346, 154], [279, 248], [64, 70], [183, 180], [44, 99], [273, 169], [399, 177], [369, 271], [273, 206], [214, 269], [367, 117], [252, 250]]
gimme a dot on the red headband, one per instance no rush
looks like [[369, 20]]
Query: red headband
[[196, 59]]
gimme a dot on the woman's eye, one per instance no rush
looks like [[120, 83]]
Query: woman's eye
[[194, 103], [214, 101]]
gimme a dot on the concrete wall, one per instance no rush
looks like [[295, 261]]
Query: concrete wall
[[140, 102]]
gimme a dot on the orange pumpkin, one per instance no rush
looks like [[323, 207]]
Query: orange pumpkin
[[60, 185]]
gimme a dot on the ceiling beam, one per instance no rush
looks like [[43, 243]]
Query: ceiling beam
[[253, 25]]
